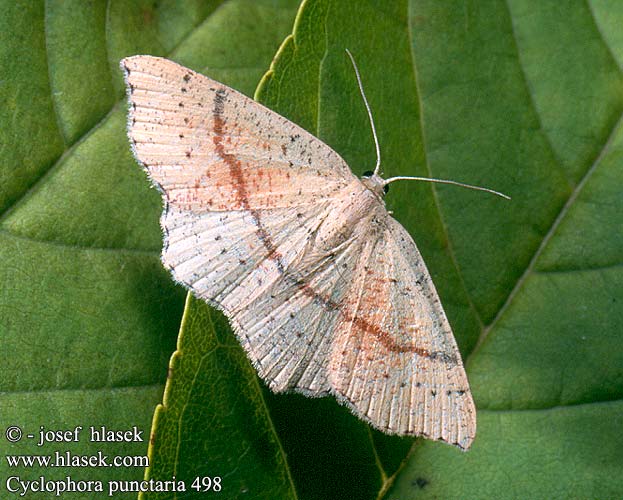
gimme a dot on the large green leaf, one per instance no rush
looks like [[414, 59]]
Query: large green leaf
[[517, 96], [526, 98], [88, 317], [521, 96]]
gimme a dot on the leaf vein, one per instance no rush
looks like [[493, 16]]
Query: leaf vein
[[530, 269]]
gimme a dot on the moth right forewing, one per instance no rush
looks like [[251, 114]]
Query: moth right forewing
[[395, 361]]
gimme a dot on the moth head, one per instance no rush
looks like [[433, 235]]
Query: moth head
[[375, 183]]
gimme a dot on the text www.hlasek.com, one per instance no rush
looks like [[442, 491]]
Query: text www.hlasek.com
[[21, 487], [67, 459]]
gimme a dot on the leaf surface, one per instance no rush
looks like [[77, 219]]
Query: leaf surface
[[521, 96]]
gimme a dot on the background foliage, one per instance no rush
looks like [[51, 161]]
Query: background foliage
[[522, 96]]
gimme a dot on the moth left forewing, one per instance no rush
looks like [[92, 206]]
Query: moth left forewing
[[395, 361]]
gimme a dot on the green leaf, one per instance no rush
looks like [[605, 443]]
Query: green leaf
[[88, 317], [521, 96], [486, 101], [524, 98]]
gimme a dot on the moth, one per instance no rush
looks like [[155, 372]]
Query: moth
[[326, 292]]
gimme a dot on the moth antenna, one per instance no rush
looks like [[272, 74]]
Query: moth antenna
[[445, 181], [365, 101], [378, 149]]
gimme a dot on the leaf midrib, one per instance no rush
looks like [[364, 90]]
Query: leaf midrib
[[561, 215], [551, 231]]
